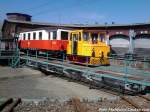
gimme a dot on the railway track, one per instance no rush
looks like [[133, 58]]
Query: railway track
[[9, 105], [78, 107], [139, 102], [134, 103]]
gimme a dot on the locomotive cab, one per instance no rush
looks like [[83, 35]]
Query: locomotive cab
[[88, 47]]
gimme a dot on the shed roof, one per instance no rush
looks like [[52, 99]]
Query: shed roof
[[18, 14], [44, 24]]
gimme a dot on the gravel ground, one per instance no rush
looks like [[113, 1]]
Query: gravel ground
[[27, 83], [68, 106], [102, 105]]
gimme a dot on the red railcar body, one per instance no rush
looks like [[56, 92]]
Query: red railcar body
[[56, 45], [48, 40]]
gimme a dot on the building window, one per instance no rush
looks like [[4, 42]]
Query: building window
[[34, 36], [49, 35], [85, 36], [40, 35], [24, 36], [28, 36], [64, 35], [54, 35]]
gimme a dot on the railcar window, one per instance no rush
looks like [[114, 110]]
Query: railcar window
[[94, 37], [85, 36], [54, 35], [20, 36], [28, 36], [49, 35], [24, 36], [64, 35], [40, 35], [71, 37], [102, 37], [34, 36]]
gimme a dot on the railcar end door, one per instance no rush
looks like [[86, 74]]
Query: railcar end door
[[75, 37]]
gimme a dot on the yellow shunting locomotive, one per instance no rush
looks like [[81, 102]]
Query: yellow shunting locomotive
[[88, 47]]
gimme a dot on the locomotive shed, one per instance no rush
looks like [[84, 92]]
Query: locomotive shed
[[129, 75]]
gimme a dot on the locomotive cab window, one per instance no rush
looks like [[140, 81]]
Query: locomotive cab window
[[85, 36], [34, 36], [40, 35], [28, 36], [102, 36], [24, 36], [54, 35], [94, 37], [64, 35], [75, 37]]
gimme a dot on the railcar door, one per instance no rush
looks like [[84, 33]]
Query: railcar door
[[75, 43]]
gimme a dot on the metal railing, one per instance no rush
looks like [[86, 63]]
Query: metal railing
[[133, 61], [123, 72]]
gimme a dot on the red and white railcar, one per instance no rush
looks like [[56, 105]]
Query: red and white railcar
[[51, 40]]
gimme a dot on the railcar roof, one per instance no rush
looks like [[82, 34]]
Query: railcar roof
[[43, 28], [39, 29], [84, 30], [94, 31]]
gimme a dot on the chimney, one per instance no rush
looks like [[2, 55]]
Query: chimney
[[19, 16]]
